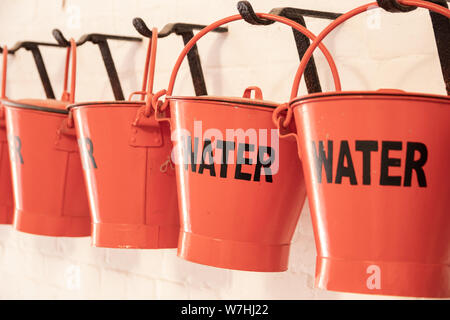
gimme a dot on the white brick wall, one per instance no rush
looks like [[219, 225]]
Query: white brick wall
[[49, 268]]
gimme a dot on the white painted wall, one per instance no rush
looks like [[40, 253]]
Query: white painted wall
[[371, 51]]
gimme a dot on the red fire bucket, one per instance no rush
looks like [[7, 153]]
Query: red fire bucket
[[376, 171], [49, 193], [127, 168], [239, 189], [6, 196]]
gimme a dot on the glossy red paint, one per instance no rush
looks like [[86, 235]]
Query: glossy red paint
[[376, 172], [234, 215], [49, 194], [128, 171]]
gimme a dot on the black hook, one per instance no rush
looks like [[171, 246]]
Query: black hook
[[248, 14], [33, 46], [441, 29], [102, 41], [177, 28], [186, 31], [394, 6], [302, 42]]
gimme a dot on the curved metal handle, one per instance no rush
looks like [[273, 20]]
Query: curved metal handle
[[186, 31], [71, 53], [151, 70], [33, 46], [5, 66], [102, 41], [346, 16], [219, 23]]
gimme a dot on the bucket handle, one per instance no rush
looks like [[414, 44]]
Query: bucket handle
[[71, 53], [404, 5], [66, 96], [70, 96], [161, 106], [4, 68], [149, 74]]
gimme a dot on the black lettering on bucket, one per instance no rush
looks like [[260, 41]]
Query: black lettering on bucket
[[187, 150], [386, 162], [417, 165], [16, 149], [226, 147], [87, 152], [260, 164], [349, 169], [320, 159], [366, 147], [231, 153], [241, 159], [415, 158], [207, 152]]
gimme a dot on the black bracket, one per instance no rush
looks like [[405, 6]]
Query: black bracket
[[102, 41], [34, 48], [441, 28], [186, 31], [302, 42]]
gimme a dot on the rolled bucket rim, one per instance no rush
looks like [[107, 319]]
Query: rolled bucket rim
[[229, 100], [17, 104], [102, 103], [366, 94]]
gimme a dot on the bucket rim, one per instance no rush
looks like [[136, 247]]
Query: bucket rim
[[103, 103], [18, 104], [365, 94], [231, 100]]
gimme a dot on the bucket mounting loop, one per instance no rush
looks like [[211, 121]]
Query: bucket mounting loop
[[282, 115], [157, 104]]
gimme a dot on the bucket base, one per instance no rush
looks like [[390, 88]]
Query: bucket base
[[235, 255], [58, 226], [134, 236], [384, 278], [6, 215]]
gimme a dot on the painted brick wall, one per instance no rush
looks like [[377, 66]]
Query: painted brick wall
[[372, 51]]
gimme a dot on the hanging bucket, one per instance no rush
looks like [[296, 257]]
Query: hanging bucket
[[49, 193], [376, 171], [130, 178], [240, 191], [6, 196]]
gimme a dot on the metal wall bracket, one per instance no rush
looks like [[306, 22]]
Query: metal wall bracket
[[302, 42], [441, 28], [102, 41], [39, 61], [186, 31]]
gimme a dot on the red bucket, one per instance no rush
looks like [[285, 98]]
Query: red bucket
[[49, 194], [376, 171], [130, 178], [233, 176], [6, 198]]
